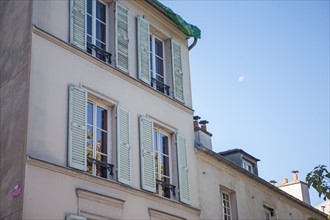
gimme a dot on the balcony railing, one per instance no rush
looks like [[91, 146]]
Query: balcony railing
[[102, 164], [160, 86], [166, 186], [99, 53]]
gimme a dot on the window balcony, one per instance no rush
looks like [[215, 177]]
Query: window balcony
[[160, 86], [99, 53], [101, 164]]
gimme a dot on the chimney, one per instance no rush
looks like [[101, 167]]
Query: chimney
[[203, 123], [196, 118], [295, 175], [273, 182], [202, 136], [284, 181]]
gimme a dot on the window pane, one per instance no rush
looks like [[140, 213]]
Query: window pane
[[102, 118], [101, 144], [89, 25], [160, 69], [165, 165], [90, 113], [151, 67], [100, 11], [90, 137], [159, 48], [100, 31], [89, 6], [163, 144]]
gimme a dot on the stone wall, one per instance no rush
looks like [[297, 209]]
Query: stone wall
[[15, 56]]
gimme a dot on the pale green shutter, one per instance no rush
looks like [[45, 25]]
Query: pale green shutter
[[74, 217], [78, 23], [143, 45], [148, 180], [121, 37], [77, 128], [123, 146], [177, 71], [183, 170]]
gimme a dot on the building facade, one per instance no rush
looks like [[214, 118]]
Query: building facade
[[108, 114]]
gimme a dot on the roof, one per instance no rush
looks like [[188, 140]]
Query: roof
[[236, 150], [270, 186], [188, 29]]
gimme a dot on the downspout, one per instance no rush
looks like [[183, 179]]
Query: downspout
[[193, 44]]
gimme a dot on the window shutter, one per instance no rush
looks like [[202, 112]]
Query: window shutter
[[78, 23], [177, 71], [123, 146], [183, 169], [77, 128], [147, 155], [121, 37], [143, 50]]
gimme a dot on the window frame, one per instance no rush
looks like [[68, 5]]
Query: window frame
[[153, 57], [94, 22], [158, 175], [225, 208], [246, 164], [109, 131]]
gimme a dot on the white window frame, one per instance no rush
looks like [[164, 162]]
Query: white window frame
[[94, 19], [109, 132], [247, 165], [153, 58], [225, 214], [169, 137]]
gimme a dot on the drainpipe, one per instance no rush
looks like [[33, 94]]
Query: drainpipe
[[193, 44]]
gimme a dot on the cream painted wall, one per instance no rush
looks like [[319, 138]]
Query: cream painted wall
[[250, 194], [51, 193]]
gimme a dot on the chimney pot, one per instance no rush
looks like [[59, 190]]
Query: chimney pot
[[196, 118], [203, 123], [285, 181], [295, 175]]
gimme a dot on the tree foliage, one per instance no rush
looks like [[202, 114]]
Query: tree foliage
[[319, 179]]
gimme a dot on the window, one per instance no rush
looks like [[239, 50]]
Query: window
[[90, 137], [269, 212], [97, 28], [157, 68], [98, 144], [90, 28], [162, 153], [151, 44], [226, 210], [248, 166], [228, 203], [161, 174]]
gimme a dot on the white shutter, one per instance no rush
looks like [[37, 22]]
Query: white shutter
[[177, 71], [183, 170], [123, 146], [121, 37], [147, 155], [143, 50], [78, 23], [77, 128]]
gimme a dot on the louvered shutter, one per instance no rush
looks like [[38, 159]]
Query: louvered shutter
[[74, 217], [123, 146], [78, 23], [143, 50], [121, 37], [147, 155], [183, 170], [77, 128], [177, 71]]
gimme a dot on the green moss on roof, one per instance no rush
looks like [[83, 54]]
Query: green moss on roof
[[188, 29]]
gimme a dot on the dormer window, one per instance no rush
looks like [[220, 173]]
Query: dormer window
[[248, 166]]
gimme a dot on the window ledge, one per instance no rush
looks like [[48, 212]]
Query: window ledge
[[110, 68]]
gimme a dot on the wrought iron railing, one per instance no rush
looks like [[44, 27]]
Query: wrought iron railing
[[99, 53], [160, 86], [166, 186], [102, 164]]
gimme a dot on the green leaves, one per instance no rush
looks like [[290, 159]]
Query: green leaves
[[319, 179]]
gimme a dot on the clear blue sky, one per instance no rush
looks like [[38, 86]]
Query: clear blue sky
[[260, 76]]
